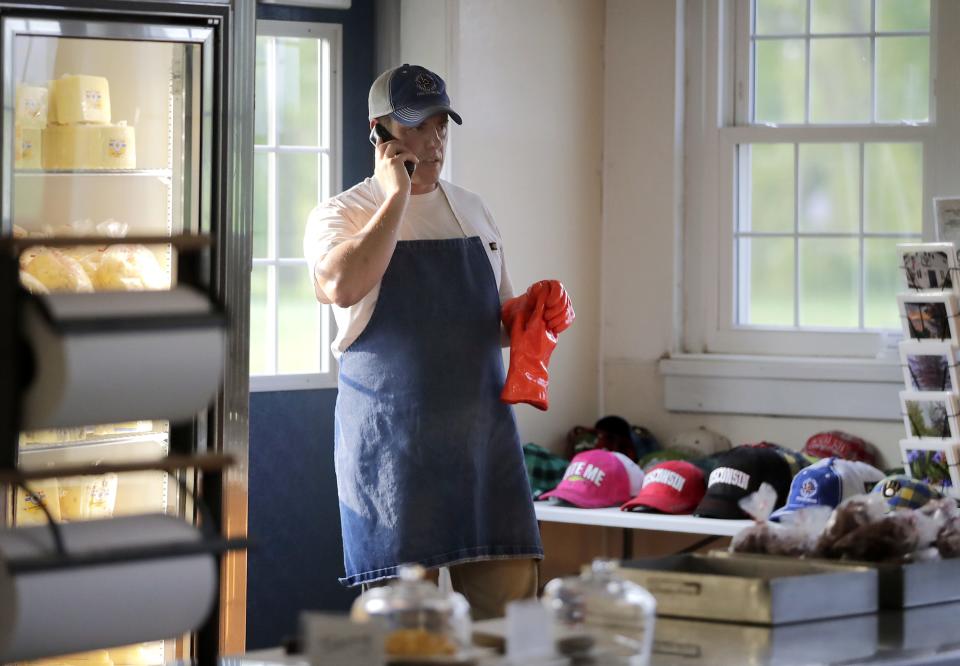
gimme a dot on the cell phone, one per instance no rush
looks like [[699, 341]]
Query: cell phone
[[382, 133]]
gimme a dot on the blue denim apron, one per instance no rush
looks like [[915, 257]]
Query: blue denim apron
[[428, 460]]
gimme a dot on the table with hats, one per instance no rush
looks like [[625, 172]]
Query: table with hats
[[833, 500], [678, 497]]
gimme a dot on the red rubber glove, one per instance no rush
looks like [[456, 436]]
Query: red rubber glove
[[558, 310], [531, 344]]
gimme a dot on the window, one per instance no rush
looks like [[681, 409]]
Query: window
[[296, 165], [830, 142]]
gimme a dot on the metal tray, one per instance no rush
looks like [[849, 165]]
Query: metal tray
[[899, 585], [918, 583], [757, 590], [684, 642]]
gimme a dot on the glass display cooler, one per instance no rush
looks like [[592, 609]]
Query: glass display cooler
[[118, 126]]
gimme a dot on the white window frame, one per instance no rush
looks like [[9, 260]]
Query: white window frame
[[718, 366], [330, 140]]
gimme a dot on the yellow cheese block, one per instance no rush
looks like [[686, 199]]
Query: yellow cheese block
[[89, 147], [27, 147], [142, 654], [118, 147], [32, 284], [58, 272], [29, 512], [94, 658], [31, 106], [88, 497], [130, 268], [78, 98]]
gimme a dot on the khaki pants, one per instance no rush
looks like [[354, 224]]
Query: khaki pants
[[490, 585]]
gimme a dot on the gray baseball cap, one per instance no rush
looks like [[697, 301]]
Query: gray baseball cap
[[409, 94]]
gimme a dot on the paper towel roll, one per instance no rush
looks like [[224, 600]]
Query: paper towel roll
[[62, 611], [121, 356]]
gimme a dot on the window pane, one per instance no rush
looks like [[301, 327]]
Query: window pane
[[829, 188], [840, 80], [297, 91], [771, 187], [881, 282], [298, 337], [780, 81], [777, 17], [903, 15], [259, 351], [766, 274], [832, 16], [297, 192], [260, 100], [261, 204], [893, 187], [903, 78], [829, 272]]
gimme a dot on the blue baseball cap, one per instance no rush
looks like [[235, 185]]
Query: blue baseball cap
[[827, 483], [409, 94]]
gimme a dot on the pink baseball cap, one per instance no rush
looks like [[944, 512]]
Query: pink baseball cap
[[598, 478]]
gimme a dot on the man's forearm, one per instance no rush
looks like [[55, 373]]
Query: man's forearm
[[349, 271]]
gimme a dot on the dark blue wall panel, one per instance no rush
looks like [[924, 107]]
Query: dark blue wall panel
[[294, 519]]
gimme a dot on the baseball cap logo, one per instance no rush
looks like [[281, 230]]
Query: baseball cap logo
[[581, 471], [891, 488], [729, 476], [808, 489], [665, 477], [426, 83]]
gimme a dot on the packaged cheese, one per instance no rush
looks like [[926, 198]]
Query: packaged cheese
[[66, 147], [89, 147], [130, 268], [32, 284], [103, 496], [27, 147], [142, 654], [94, 658], [78, 98], [30, 107], [88, 497], [117, 147], [29, 512], [58, 272]]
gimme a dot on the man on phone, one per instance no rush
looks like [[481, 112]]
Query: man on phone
[[428, 459]]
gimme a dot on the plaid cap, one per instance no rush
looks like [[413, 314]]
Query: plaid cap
[[902, 492], [544, 469]]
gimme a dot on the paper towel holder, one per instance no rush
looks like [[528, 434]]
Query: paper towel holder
[[211, 543], [192, 257]]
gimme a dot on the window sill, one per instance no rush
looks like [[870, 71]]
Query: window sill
[[783, 386], [264, 383]]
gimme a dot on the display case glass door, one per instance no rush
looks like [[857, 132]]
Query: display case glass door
[[105, 136]]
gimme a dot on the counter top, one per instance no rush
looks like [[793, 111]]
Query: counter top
[[915, 637]]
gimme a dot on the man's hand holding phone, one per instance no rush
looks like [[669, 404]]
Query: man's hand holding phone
[[394, 163]]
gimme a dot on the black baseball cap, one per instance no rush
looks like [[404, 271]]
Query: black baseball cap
[[738, 473], [409, 94]]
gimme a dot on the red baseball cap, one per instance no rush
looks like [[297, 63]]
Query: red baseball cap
[[674, 486], [839, 444], [598, 478]]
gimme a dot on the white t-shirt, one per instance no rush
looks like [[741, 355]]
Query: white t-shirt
[[446, 212]]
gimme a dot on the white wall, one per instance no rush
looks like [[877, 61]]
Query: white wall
[[529, 85], [570, 135], [641, 229]]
